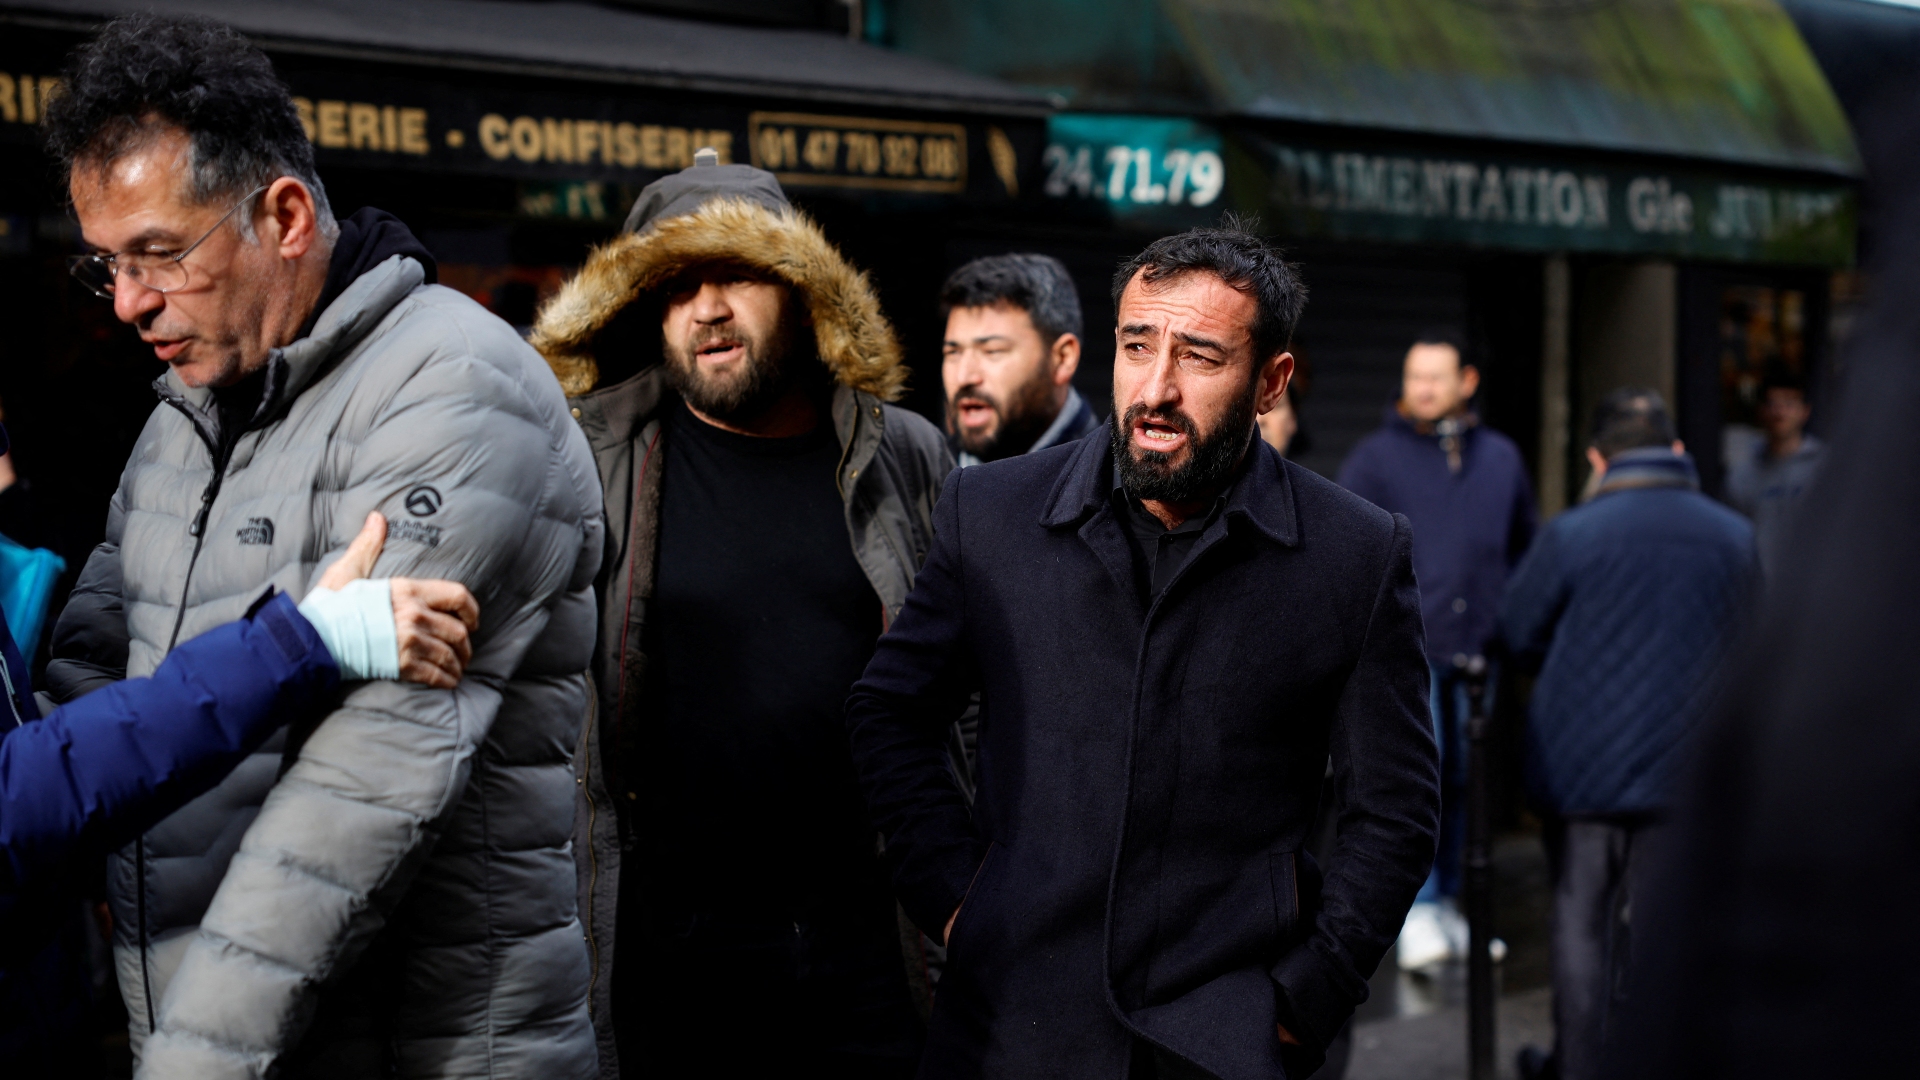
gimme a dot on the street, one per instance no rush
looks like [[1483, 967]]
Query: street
[[1414, 1026]]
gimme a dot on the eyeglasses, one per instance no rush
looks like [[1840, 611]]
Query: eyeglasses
[[157, 269]]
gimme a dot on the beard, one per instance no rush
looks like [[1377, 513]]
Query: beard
[[1211, 457], [1017, 425], [762, 378]]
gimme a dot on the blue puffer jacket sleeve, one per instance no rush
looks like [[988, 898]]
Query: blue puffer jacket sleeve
[[101, 770]]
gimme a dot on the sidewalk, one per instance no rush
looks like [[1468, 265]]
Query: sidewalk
[[1434, 1046], [1414, 1026]]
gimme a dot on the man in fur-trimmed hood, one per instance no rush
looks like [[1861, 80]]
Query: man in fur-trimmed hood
[[767, 510]]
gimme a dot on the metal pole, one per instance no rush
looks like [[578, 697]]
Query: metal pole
[[1479, 883], [1556, 385]]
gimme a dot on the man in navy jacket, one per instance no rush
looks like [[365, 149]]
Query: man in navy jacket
[[1631, 601], [1170, 628], [1464, 487], [89, 775]]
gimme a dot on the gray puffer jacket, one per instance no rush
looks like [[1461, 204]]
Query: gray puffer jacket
[[399, 898]]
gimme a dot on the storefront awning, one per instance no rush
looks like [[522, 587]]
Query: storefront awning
[[1159, 173], [1719, 80], [583, 41], [581, 104]]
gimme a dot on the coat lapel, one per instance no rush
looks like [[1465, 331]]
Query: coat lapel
[[1260, 504], [1263, 499], [1080, 497]]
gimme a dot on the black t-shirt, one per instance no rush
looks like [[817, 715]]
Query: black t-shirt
[[760, 622]]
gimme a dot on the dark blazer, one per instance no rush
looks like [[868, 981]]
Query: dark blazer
[[1133, 863]]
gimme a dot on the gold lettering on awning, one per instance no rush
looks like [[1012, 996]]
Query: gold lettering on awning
[[855, 152], [364, 125]]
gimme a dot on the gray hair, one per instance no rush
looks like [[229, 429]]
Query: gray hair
[[145, 74]]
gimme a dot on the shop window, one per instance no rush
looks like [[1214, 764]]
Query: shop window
[[1762, 333]]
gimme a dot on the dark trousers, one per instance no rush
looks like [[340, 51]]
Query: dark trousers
[[726, 997], [1598, 864], [1450, 706]]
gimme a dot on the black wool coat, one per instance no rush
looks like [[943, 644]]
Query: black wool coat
[[1133, 866]]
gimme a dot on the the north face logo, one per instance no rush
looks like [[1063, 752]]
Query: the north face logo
[[257, 530], [423, 501]]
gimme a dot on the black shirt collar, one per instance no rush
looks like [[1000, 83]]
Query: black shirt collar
[[1160, 552]]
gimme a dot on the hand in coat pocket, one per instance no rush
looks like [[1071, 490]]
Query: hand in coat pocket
[[946, 933]]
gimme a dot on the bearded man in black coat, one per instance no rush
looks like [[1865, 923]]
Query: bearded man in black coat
[[1170, 628]]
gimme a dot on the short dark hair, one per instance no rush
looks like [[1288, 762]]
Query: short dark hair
[[1445, 335], [1238, 256], [145, 73], [1036, 284], [1630, 418]]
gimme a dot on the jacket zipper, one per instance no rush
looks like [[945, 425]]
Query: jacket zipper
[[222, 453]]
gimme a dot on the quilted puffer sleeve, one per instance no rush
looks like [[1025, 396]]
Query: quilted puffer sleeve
[[89, 644], [98, 772], [485, 480]]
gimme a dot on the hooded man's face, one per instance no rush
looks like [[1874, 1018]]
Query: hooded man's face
[[726, 335]]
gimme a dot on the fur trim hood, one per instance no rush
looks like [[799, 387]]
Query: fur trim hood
[[853, 337]]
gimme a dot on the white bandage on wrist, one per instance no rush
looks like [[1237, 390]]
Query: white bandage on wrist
[[356, 623]]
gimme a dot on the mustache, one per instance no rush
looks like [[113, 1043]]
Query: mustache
[[707, 335], [1172, 418], [974, 394]]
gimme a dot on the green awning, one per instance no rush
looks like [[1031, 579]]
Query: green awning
[[1723, 80]]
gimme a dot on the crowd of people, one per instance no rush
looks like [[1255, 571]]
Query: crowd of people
[[659, 699], [1623, 609]]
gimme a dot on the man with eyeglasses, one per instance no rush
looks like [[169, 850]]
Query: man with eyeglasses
[[1169, 630], [389, 890]]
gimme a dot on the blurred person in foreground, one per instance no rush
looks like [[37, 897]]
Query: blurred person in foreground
[[768, 510], [1464, 487], [1169, 628], [1628, 605], [390, 890], [1012, 346], [1782, 925], [1767, 484], [92, 774]]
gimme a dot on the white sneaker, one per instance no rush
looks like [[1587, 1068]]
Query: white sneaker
[[1423, 941]]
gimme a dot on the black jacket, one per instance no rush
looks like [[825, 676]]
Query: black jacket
[[1147, 776], [889, 474]]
